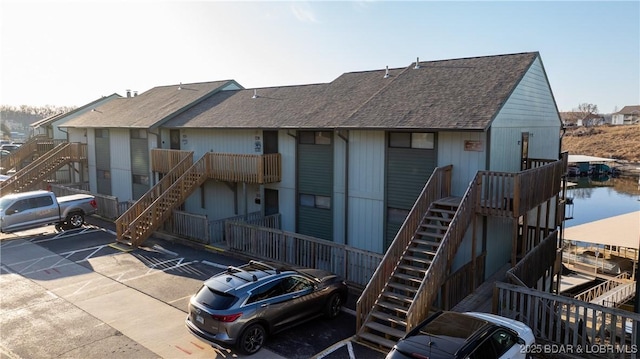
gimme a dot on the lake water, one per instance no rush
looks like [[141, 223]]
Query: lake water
[[594, 200]]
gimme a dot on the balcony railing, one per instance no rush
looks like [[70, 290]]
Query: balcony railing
[[230, 167]]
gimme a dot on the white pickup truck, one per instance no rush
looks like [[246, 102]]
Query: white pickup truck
[[26, 210]]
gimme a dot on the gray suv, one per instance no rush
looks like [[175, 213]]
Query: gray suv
[[242, 305]]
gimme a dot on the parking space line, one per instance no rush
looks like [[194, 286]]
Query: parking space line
[[336, 346], [214, 264]]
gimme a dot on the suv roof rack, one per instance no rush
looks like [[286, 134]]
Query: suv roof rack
[[235, 270], [264, 265]]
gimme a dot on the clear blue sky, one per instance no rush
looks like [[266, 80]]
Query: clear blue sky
[[71, 53]]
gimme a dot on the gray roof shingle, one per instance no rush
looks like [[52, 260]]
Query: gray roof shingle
[[450, 94], [149, 109]]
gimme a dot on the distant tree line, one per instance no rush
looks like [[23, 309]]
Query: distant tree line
[[13, 118]]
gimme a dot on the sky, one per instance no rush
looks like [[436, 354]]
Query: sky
[[74, 52]]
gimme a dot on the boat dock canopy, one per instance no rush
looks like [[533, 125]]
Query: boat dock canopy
[[621, 231], [583, 158]]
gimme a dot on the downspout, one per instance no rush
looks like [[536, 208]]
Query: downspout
[[346, 186], [564, 197]]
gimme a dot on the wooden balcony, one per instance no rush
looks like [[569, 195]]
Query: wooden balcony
[[35, 147], [228, 167], [508, 194]]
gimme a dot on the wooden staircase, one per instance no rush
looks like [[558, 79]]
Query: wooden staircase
[[387, 321], [41, 169], [34, 147], [155, 207]]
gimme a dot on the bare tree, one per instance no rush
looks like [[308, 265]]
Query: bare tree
[[588, 113]]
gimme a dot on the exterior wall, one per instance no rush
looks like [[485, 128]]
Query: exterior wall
[[339, 181], [287, 186], [530, 108], [466, 163], [617, 119], [120, 164], [366, 189], [220, 200]]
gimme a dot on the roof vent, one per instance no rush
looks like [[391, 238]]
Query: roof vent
[[180, 86], [417, 63], [135, 93], [255, 94], [386, 74], [128, 93]]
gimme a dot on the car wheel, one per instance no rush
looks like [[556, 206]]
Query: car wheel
[[333, 306], [75, 220], [252, 339], [58, 227]]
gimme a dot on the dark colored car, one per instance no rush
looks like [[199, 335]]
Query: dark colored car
[[452, 335], [243, 305]]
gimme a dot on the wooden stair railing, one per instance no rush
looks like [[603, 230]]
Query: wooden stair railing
[[438, 186], [43, 167], [124, 221], [37, 145], [161, 208], [420, 271]]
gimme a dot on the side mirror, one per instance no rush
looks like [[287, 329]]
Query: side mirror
[[520, 341]]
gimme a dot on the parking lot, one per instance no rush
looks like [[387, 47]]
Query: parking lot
[[78, 294]]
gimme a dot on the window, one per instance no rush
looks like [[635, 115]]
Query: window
[[141, 179], [310, 200], [138, 133], [314, 137], [102, 174], [421, 140], [41, 201], [267, 291], [296, 284], [494, 346], [101, 133]]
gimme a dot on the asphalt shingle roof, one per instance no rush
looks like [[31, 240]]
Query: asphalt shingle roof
[[146, 110], [449, 94], [629, 110]]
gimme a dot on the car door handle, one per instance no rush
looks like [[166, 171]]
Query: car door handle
[[264, 305]]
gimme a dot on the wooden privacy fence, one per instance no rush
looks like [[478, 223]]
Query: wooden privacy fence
[[199, 228], [354, 265], [582, 326]]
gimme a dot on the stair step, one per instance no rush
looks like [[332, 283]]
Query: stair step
[[406, 288], [385, 329], [407, 267], [430, 234], [386, 317], [416, 259], [411, 249], [407, 277], [392, 306], [434, 226], [377, 340], [439, 219], [426, 243], [442, 210], [397, 296]]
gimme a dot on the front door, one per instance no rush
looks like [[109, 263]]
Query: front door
[[271, 205], [174, 139], [524, 151]]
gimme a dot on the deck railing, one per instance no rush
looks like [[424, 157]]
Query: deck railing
[[537, 263], [583, 327], [233, 167], [36, 145], [604, 287], [438, 269], [229, 167], [438, 186], [164, 160], [509, 194], [354, 265]]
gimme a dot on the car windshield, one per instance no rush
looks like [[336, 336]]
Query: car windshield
[[4, 202], [214, 299], [453, 325]]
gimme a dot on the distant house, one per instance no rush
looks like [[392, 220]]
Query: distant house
[[629, 115], [578, 119]]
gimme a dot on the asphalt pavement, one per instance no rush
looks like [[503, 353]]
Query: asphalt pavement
[[79, 295]]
